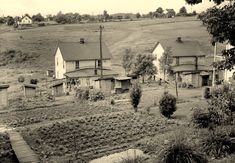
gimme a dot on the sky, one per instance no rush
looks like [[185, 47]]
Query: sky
[[21, 7]]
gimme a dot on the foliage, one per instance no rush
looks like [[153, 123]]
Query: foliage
[[96, 95], [193, 2], [182, 11], [167, 105], [21, 79], [135, 95], [6, 151], [137, 159], [217, 144], [10, 21], [82, 94], [105, 15], [68, 18], [127, 60], [165, 62], [138, 15], [159, 12], [143, 65], [170, 13], [38, 18], [33, 81], [179, 152]]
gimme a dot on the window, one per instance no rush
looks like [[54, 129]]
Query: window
[[57, 61], [77, 65], [177, 61], [99, 63]]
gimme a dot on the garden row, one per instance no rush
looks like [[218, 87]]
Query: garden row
[[92, 136]]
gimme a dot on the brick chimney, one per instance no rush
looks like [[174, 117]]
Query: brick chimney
[[82, 41], [179, 40]]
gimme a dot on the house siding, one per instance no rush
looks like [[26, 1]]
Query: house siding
[[189, 60], [59, 68], [157, 53], [3, 98]]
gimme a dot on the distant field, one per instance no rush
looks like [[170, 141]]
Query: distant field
[[139, 36]]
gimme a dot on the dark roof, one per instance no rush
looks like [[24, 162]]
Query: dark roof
[[72, 51], [184, 48], [90, 72], [4, 86], [30, 85], [191, 68], [56, 84]]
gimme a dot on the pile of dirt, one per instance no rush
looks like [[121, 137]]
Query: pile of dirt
[[16, 57]]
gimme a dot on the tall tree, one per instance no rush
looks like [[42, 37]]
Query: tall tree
[[159, 12], [183, 11], [10, 21], [127, 61], [143, 65], [165, 62], [138, 15], [106, 15], [38, 17], [170, 13]]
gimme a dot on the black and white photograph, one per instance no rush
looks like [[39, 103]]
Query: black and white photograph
[[117, 81]]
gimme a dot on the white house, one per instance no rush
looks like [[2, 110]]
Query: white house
[[157, 53], [80, 61], [25, 20], [227, 73]]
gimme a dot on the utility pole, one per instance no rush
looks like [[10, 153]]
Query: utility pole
[[101, 55], [213, 77]]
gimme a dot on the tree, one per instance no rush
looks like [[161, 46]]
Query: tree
[[135, 95], [106, 15], [165, 62], [127, 61], [10, 21], [143, 65], [220, 23], [170, 13], [183, 11], [159, 12], [38, 18], [138, 15]]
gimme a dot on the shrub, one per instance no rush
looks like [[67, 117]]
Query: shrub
[[96, 95], [184, 85], [33, 81], [112, 102], [135, 95], [82, 94], [179, 152], [137, 159], [167, 104], [203, 119], [217, 144], [21, 79]]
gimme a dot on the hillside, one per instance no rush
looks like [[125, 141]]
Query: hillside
[[139, 36]]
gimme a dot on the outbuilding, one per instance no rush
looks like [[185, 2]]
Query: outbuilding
[[3, 95], [122, 84], [58, 88], [105, 84], [29, 90]]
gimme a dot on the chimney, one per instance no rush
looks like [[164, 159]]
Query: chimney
[[82, 40], [179, 40], [95, 71]]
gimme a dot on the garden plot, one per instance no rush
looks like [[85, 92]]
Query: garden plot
[[92, 137]]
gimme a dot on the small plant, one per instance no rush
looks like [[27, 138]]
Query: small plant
[[82, 94], [217, 144], [33, 81], [179, 152], [167, 105], [21, 79], [96, 95], [112, 102], [135, 95], [137, 159]]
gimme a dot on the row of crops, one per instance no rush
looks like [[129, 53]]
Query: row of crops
[[93, 136]]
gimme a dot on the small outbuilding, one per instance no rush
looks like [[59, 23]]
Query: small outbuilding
[[3, 96], [58, 89], [105, 84], [122, 84], [50, 73], [29, 90]]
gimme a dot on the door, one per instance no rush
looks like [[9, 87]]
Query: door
[[205, 80]]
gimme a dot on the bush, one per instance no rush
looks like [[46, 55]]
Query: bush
[[33, 81], [217, 144], [96, 95], [137, 159], [167, 104], [21, 79], [112, 102], [82, 94], [184, 85], [181, 153], [135, 95], [203, 119]]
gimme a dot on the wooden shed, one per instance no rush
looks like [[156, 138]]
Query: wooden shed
[[3, 96], [105, 84], [29, 90], [122, 84], [58, 89]]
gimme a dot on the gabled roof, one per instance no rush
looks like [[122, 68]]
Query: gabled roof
[[73, 51], [90, 72], [4, 86], [181, 49]]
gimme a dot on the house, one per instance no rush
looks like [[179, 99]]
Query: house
[[58, 88], [122, 84], [189, 61], [29, 90], [3, 96], [79, 62], [26, 20], [229, 76]]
